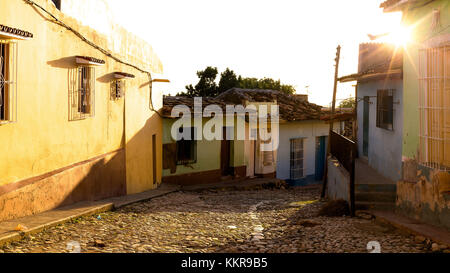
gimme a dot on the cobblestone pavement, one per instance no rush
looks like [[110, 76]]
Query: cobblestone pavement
[[220, 221]]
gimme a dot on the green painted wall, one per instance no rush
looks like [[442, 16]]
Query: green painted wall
[[421, 19], [208, 152]]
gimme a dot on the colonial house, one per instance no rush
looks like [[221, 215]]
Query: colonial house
[[77, 107], [423, 189], [379, 93], [198, 159], [300, 157], [403, 108]]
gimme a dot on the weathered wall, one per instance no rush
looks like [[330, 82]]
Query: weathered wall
[[308, 130], [385, 146], [338, 181], [422, 193], [44, 140]]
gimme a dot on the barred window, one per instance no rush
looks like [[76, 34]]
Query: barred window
[[385, 109], [187, 148], [117, 89], [296, 166], [434, 107], [8, 81], [82, 93]]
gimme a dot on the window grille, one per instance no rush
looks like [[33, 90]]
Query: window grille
[[296, 166], [8, 81], [385, 109], [117, 89], [187, 148], [82, 93], [434, 107]]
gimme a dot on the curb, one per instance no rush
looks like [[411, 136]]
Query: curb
[[408, 230], [19, 235]]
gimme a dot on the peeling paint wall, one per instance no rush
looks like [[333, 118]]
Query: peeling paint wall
[[422, 193]]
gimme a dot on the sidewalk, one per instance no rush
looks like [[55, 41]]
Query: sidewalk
[[435, 234], [36, 223]]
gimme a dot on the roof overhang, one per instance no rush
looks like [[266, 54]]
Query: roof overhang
[[396, 5], [86, 60], [391, 74], [14, 33], [123, 75]]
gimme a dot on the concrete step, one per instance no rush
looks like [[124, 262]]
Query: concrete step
[[376, 188], [389, 197], [364, 205]]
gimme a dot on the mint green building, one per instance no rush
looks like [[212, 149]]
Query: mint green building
[[423, 191]]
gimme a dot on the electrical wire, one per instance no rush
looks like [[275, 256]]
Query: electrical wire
[[102, 50]]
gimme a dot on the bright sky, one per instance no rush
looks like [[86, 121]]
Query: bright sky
[[291, 40]]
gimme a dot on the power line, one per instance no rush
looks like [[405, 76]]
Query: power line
[[102, 50]]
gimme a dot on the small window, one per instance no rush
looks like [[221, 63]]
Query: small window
[[82, 93], [385, 109], [8, 84], [187, 148], [296, 160], [117, 89]]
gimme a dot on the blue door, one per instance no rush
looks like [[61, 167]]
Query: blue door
[[320, 157]]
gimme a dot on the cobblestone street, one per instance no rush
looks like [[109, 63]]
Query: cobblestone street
[[221, 221]]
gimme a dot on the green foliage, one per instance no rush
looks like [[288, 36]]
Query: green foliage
[[228, 80], [207, 87], [347, 103], [266, 83]]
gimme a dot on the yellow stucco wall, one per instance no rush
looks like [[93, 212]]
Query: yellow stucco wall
[[43, 139]]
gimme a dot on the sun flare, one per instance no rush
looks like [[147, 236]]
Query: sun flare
[[399, 36]]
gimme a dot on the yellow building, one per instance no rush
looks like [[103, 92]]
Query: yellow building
[[77, 123]]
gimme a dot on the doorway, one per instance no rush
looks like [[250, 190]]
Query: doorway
[[321, 144], [225, 154], [154, 159]]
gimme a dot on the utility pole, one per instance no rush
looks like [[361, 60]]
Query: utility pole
[[333, 106]]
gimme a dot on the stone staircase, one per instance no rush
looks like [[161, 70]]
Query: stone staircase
[[372, 190]]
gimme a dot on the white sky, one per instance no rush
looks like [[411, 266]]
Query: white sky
[[291, 40]]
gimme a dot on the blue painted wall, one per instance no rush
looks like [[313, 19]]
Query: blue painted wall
[[385, 146]]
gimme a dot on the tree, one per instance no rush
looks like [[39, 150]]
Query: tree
[[228, 80], [207, 87], [266, 83], [347, 103]]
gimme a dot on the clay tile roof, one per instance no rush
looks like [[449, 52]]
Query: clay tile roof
[[389, 3], [292, 108], [123, 74], [339, 114], [91, 59], [171, 101], [16, 31]]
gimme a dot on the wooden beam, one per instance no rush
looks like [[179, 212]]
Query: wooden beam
[[333, 107]]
